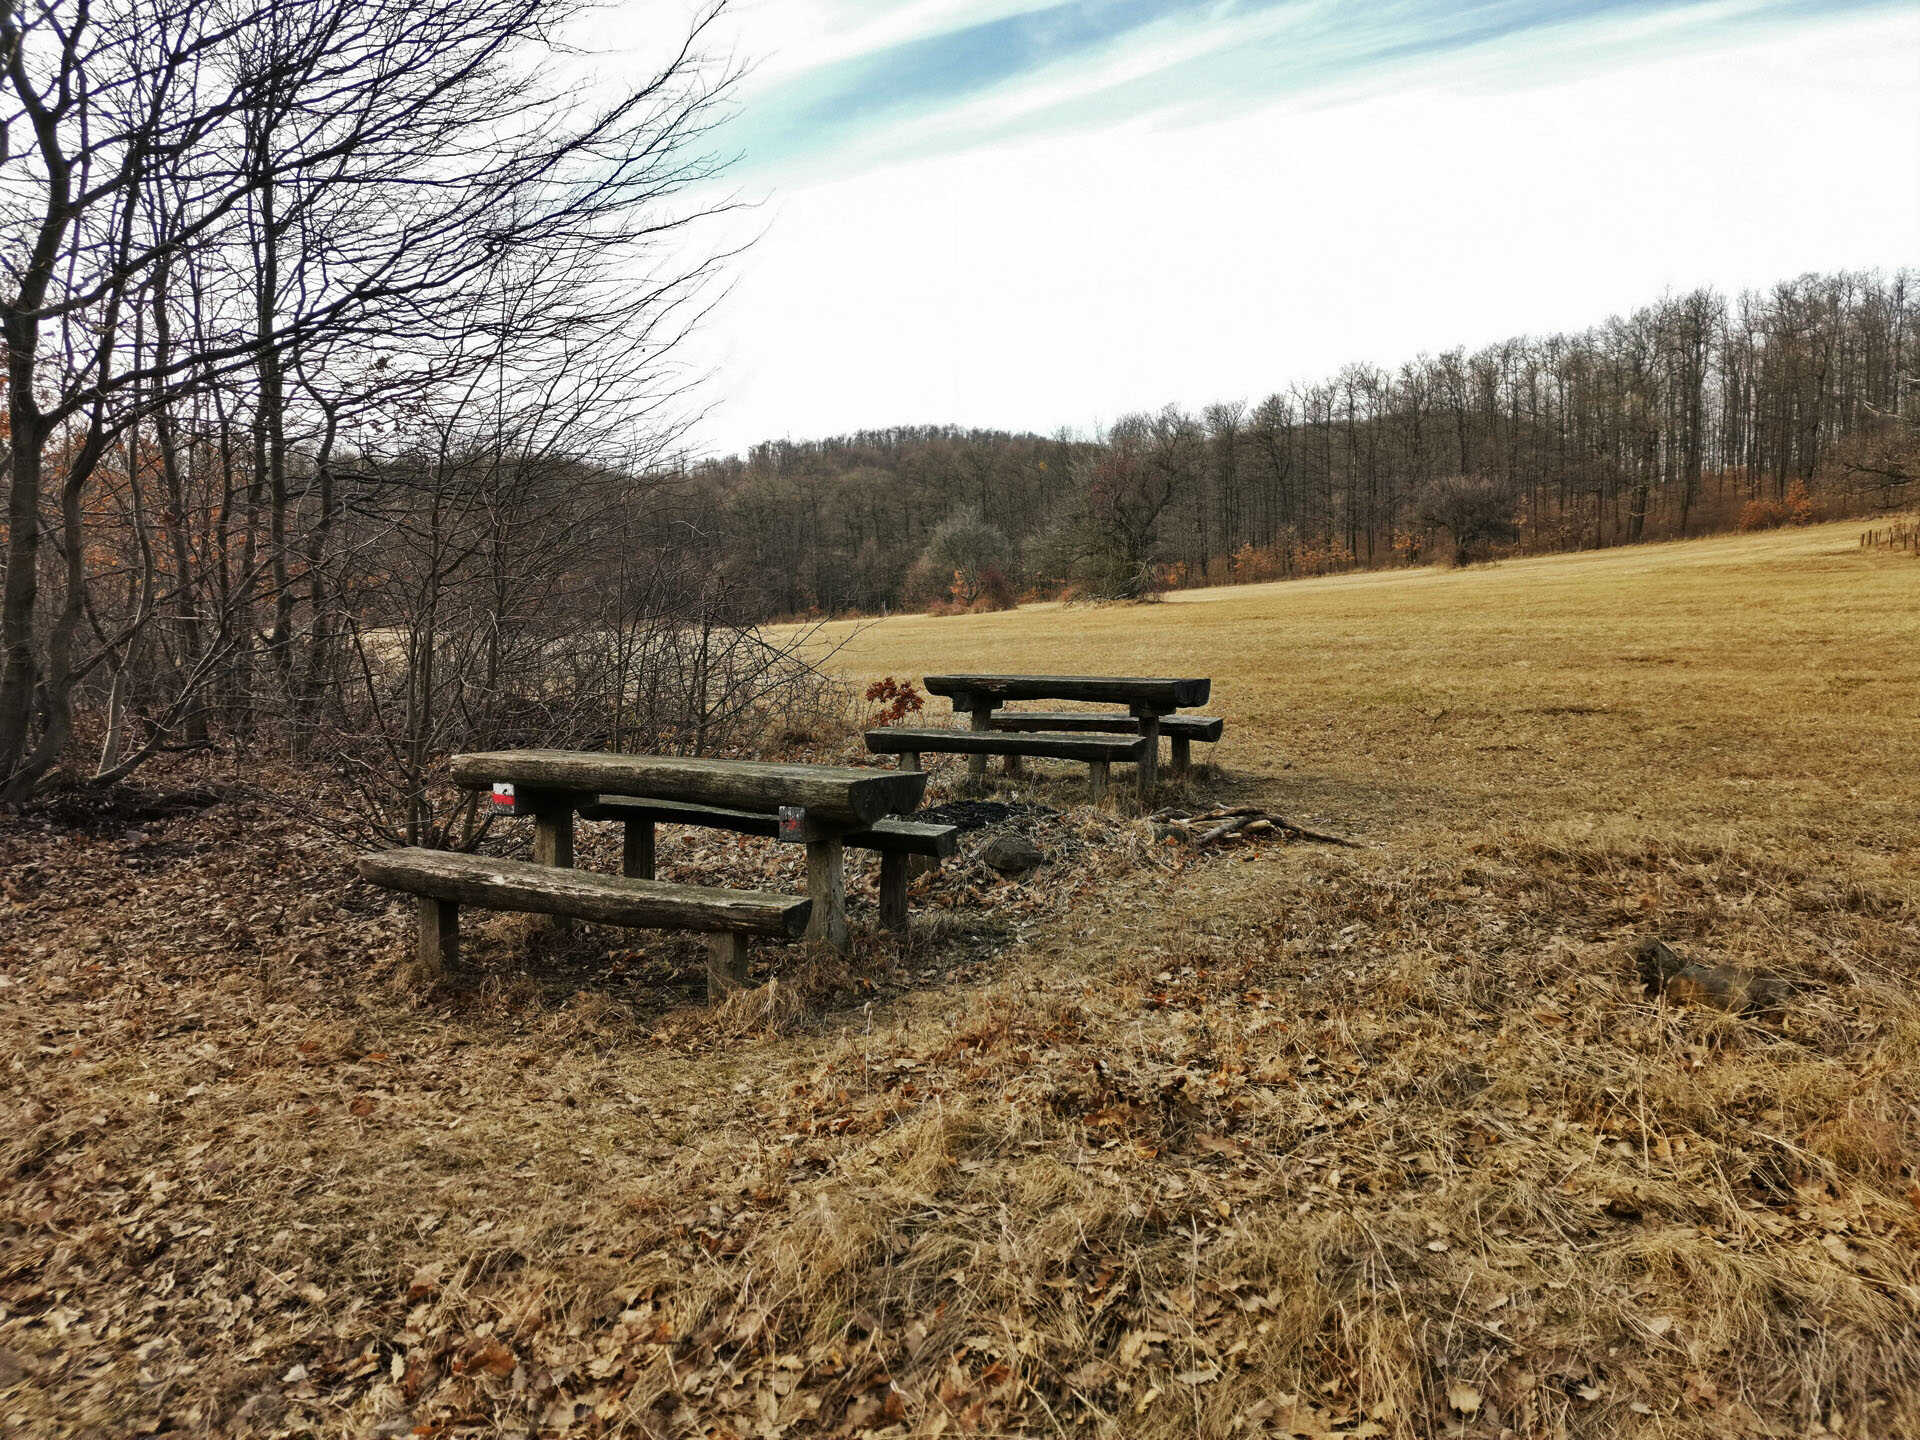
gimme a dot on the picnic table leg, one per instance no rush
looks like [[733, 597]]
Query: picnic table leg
[[636, 854], [726, 963], [553, 836], [893, 891], [827, 888], [1099, 772], [909, 759], [1150, 756], [553, 842], [982, 720], [439, 936], [1182, 748], [1015, 765]]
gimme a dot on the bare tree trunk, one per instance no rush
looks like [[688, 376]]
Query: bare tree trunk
[[20, 676], [188, 587]]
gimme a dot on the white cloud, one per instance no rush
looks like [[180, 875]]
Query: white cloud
[[1065, 280], [1135, 55], [797, 35]]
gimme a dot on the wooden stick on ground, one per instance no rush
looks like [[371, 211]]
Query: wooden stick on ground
[[1220, 832]]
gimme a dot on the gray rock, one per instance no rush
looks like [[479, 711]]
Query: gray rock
[[1012, 855]]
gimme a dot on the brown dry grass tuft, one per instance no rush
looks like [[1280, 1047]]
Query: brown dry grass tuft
[[1285, 1140]]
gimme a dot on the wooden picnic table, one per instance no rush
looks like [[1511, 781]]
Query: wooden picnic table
[[816, 805], [1148, 698]]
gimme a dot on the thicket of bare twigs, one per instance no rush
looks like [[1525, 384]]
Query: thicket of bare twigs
[[340, 345]]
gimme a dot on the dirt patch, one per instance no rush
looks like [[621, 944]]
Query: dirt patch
[[979, 814], [99, 809]]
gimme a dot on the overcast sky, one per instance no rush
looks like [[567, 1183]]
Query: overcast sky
[[1029, 214]]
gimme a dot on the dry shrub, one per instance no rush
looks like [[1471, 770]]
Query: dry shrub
[[1796, 507], [1802, 509], [1330, 557], [892, 701], [1253, 564], [988, 591]]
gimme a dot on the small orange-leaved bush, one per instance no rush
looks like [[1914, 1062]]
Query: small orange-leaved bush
[[894, 700]]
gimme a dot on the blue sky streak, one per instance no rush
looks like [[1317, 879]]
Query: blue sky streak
[[1196, 57]]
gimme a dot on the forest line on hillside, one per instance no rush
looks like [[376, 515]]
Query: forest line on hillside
[[1670, 421]]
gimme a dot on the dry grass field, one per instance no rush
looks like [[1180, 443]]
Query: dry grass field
[[1758, 686], [1284, 1139]]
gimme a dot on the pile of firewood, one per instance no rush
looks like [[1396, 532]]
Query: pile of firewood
[[1239, 825]]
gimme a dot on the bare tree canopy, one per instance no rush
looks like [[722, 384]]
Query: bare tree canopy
[[253, 253]]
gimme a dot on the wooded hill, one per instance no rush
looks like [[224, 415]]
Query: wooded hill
[[1664, 422]]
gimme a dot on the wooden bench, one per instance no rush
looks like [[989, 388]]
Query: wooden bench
[[445, 880], [815, 805], [897, 840], [1181, 730], [1149, 699], [1098, 751]]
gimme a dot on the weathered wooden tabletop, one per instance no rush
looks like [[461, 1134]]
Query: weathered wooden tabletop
[[1159, 693], [830, 794]]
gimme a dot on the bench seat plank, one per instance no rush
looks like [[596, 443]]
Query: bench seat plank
[[1092, 748], [496, 884], [1160, 693], [907, 837], [1194, 727]]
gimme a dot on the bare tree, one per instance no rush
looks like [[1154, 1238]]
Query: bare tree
[[268, 182], [1477, 513]]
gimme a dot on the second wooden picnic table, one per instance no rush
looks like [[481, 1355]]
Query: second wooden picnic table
[[817, 805], [1147, 697]]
